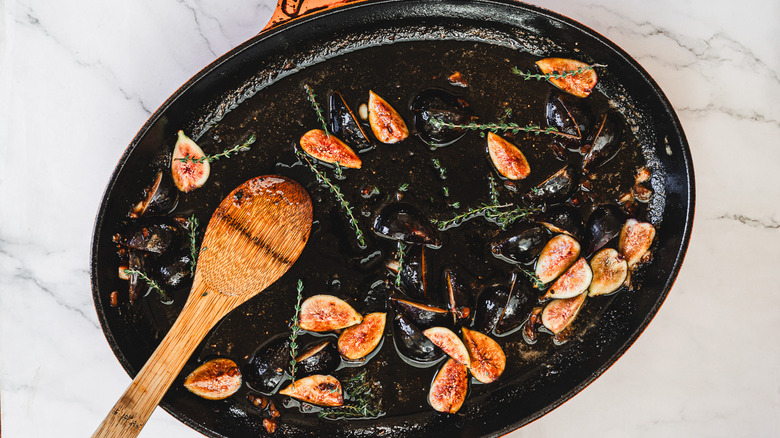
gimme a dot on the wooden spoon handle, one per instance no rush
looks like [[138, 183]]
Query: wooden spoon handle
[[130, 413]]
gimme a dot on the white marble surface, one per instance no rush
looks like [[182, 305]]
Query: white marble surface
[[79, 78]]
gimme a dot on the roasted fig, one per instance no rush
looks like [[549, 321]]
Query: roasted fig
[[160, 197], [216, 379], [603, 143], [151, 236], [519, 304], [565, 114], [490, 306], [328, 148], [358, 341], [604, 224], [564, 219], [432, 109], [523, 244], [412, 344], [533, 323], [572, 76], [343, 124], [449, 342], [422, 315], [486, 358], [558, 314], [414, 273], [573, 282], [320, 358], [610, 270], [318, 390], [174, 269], [458, 295], [190, 167], [400, 221], [324, 313], [556, 188], [268, 364], [507, 158], [556, 257], [386, 123], [449, 387], [635, 240]]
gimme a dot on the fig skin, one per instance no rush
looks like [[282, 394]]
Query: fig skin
[[216, 379], [487, 359], [610, 271], [635, 240], [421, 314], [579, 85], [449, 388], [320, 358], [318, 390], [329, 148], [345, 125], [360, 340], [507, 158], [556, 257], [449, 342], [324, 313], [188, 175], [573, 282], [558, 314], [386, 124], [411, 343]]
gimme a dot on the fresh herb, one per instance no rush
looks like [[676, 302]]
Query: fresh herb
[[553, 75], [455, 205], [243, 147], [192, 227], [507, 114], [446, 191], [323, 179], [153, 284], [313, 100], [338, 171], [538, 283], [437, 166], [513, 127], [363, 400], [404, 187], [296, 327], [493, 190], [401, 249]]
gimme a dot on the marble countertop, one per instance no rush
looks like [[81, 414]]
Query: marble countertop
[[79, 78]]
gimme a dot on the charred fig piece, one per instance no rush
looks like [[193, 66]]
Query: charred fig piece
[[216, 379], [320, 358], [573, 282], [329, 149], [556, 188], [190, 167], [159, 198], [519, 304], [318, 390], [490, 306], [360, 340], [602, 144], [174, 269], [564, 219], [556, 257], [412, 344], [459, 296], [445, 107], [487, 359], [641, 193], [449, 342], [400, 221], [635, 240], [268, 364], [558, 314], [507, 158], [603, 225], [523, 244], [414, 273], [386, 123], [137, 262], [610, 270], [565, 114], [324, 313], [531, 326], [422, 315], [344, 125], [449, 387], [154, 237], [579, 84]]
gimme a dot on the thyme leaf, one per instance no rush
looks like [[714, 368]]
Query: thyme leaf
[[363, 400], [153, 284], [313, 100], [512, 127], [538, 283], [296, 327], [401, 250], [192, 227]]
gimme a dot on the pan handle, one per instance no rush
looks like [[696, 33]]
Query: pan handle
[[287, 10]]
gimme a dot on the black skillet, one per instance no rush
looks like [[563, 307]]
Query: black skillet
[[314, 43]]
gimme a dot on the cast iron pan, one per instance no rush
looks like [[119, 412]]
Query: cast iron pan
[[393, 47]]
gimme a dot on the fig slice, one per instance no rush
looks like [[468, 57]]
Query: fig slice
[[635, 240], [216, 379], [328, 148], [386, 123], [507, 158], [610, 270], [324, 313], [556, 257], [558, 314], [579, 84], [358, 341], [449, 387], [318, 390], [449, 342], [190, 167], [486, 358], [573, 282], [421, 314]]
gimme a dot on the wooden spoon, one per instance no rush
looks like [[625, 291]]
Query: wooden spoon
[[256, 234]]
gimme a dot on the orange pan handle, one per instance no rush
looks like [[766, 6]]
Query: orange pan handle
[[287, 10]]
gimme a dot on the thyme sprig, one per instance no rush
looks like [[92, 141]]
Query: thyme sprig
[[243, 147], [192, 227], [527, 75], [363, 401], [313, 100], [153, 284], [538, 283], [493, 190], [323, 179], [296, 327], [442, 171], [401, 251], [495, 127]]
